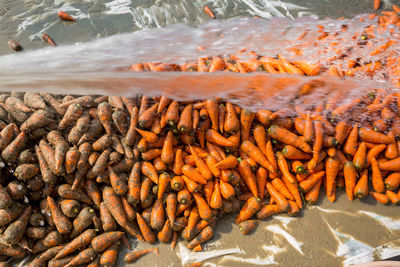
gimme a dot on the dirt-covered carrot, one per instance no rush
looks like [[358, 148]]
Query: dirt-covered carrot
[[101, 242], [14, 232], [62, 223], [109, 256], [231, 122], [157, 215], [11, 152], [133, 256], [149, 171], [216, 198], [145, 229], [83, 257], [114, 205], [247, 227], [287, 137], [147, 117], [77, 243], [52, 239], [70, 207], [66, 191]]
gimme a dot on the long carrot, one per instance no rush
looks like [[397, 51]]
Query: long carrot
[[377, 179], [246, 119], [248, 176], [255, 153], [285, 136], [332, 169], [360, 156], [204, 210]]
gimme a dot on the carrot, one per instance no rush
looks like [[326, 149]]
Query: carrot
[[227, 190], [390, 165], [290, 152], [360, 156], [201, 165], [11, 152], [213, 112], [204, 210], [129, 210], [157, 215], [192, 174], [48, 39], [14, 45], [82, 221], [149, 171], [101, 242], [298, 167], [247, 227], [109, 256], [216, 198], [367, 135], [14, 232], [107, 220], [392, 181], [377, 4], [135, 255], [231, 122], [260, 137], [65, 16], [171, 207], [246, 119], [255, 153], [281, 188], [211, 164], [177, 183], [61, 221], [308, 133], [282, 163], [118, 184], [70, 207], [361, 189], [52, 239], [268, 210], [83, 257], [278, 197], [382, 198], [374, 152], [145, 188], [294, 190], [309, 183], [394, 198], [285, 136], [377, 179], [251, 207], [77, 243], [350, 146], [165, 234], [209, 12], [350, 177], [208, 189], [269, 152], [248, 177], [184, 197], [178, 163], [214, 137], [114, 205], [147, 117], [312, 196]]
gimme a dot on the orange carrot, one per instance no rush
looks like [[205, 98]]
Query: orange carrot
[[382, 198], [209, 12], [350, 177], [281, 188], [60, 220], [268, 210], [248, 176], [392, 182], [368, 135], [250, 208], [377, 179], [282, 163], [309, 183], [361, 189], [374, 152], [145, 229], [227, 190], [255, 153], [394, 198], [211, 164], [214, 137], [149, 171], [216, 198], [204, 210], [270, 155], [360, 156], [231, 123], [312, 196], [278, 197], [285, 136], [212, 109], [201, 165], [133, 256], [390, 165], [350, 146], [246, 119], [308, 133], [261, 137]]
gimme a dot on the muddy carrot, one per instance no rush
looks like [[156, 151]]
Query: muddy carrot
[[107, 220], [165, 234], [71, 159], [11, 152], [248, 176], [247, 227], [147, 117], [171, 207], [361, 189], [157, 215], [101, 242], [145, 188], [77, 243], [204, 210], [133, 256], [61, 221], [70, 207], [149, 171], [14, 232], [246, 119], [392, 181], [114, 205], [285, 136], [118, 184]]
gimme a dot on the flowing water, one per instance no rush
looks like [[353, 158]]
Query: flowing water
[[95, 52]]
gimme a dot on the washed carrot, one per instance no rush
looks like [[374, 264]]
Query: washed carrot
[[246, 119], [178, 162], [377, 179], [278, 197], [332, 169], [177, 183], [61, 221], [359, 158], [392, 181], [231, 122], [287, 137], [204, 209], [350, 177], [393, 197], [312, 196], [350, 146], [368, 135], [216, 198], [208, 189], [308, 132], [255, 153], [201, 165], [361, 188], [260, 136], [247, 227], [227, 190], [308, 184], [250, 208], [248, 177], [281, 188], [382, 198], [390, 165], [209, 12], [48, 39], [268, 210], [194, 175]]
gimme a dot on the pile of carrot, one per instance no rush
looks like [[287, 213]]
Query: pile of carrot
[[335, 53], [82, 174]]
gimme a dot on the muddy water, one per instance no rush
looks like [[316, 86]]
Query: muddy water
[[324, 235]]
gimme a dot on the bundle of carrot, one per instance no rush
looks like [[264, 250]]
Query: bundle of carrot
[[82, 173]]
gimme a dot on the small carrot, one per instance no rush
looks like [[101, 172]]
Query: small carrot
[[184, 197], [270, 155], [308, 133], [109, 256], [150, 137], [171, 207], [118, 184], [390, 165], [216, 198], [341, 131], [285, 136], [350, 146], [211, 164], [393, 197], [281, 188], [298, 167], [178, 163], [204, 209], [312, 196], [201, 165], [208, 189], [227, 190], [231, 122], [70, 207], [290, 152], [260, 136], [77, 243], [374, 152], [248, 177], [165, 234], [65, 16], [214, 137], [48, 39], [246, 119], [392, 181], [382, 198], [361, 189], [377, 179], [107, 220], [61, 221], [101, 242], [209, 12], [282, 163], [149, 171], [360, 156], [134, 184], [247, 227], [177, 183], [157, 215], [82, 221], [133, 256], [278, 197], [82, 258]]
